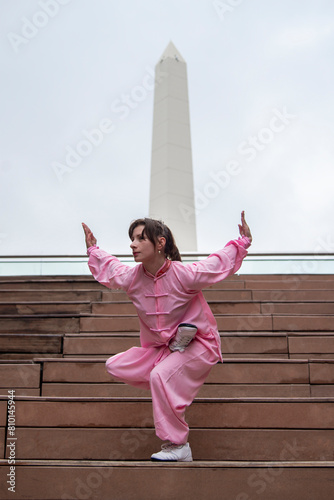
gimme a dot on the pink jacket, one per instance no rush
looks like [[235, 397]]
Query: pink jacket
[[174, 296]]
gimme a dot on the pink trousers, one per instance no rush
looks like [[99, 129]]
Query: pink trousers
[[174, 379]]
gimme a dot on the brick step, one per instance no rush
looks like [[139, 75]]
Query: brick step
[[226, 322], [133, 480], [253, 413], [49, 443], [232, 371], [27, 343], [50, 295], [229, 307], [45, 307]]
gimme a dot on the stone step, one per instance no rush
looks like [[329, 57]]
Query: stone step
[[55, 283], [40, 323], [78, 283], [299, 323], [25, 391], [252, 413], [226, 322], [89, 344], [275, 295], [290, 283], [48, 443], [30, 343], [266, 343], [7, 295], [119, 323], [311, 345], [50, 295], [73, 323], [114, 390], [77, 344], [234, 378], [215, 294], [292, 295], [236, 277], [227, 356], [138, 480], [248, 343], [241, 295], [296, 308], [229, 307], [268, 282], [20, 375], [294, 282], [107, 308], [124, 323], [269, 344], [44, 307], [232, 371]]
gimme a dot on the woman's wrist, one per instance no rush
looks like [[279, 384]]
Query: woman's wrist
[[91, 248]]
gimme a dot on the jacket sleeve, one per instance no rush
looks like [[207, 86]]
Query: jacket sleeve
[[108, 270], [217, 266]]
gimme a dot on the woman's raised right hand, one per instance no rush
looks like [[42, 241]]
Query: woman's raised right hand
[[90, 238]]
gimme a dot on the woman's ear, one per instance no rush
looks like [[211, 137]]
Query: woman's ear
[[161, 243]]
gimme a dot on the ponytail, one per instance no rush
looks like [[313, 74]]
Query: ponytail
[[153, 230], [171, 250]]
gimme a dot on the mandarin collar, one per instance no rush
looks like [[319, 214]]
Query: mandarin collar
[[165, 266]]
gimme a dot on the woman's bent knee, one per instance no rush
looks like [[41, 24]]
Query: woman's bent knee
[[110, 365]]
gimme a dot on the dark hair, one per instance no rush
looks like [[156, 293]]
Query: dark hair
[[153, 230]]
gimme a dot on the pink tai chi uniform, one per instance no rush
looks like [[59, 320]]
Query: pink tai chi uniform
[[163, 301]]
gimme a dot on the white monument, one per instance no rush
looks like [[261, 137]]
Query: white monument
[[172, 187]]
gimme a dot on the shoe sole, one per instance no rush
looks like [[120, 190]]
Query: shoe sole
[[159, 460]]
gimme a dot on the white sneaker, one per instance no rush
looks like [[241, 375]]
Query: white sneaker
[[184, 335], [171, 452]]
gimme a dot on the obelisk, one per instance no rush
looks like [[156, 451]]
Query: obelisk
[[172, 186]]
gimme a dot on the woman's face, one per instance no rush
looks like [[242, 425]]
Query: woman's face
[[142, 248]]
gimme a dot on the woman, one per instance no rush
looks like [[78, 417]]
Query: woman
[[179, 337]]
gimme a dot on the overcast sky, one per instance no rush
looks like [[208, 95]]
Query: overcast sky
[[260, 77]]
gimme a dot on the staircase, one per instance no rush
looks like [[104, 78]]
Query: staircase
[[262, 426]]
